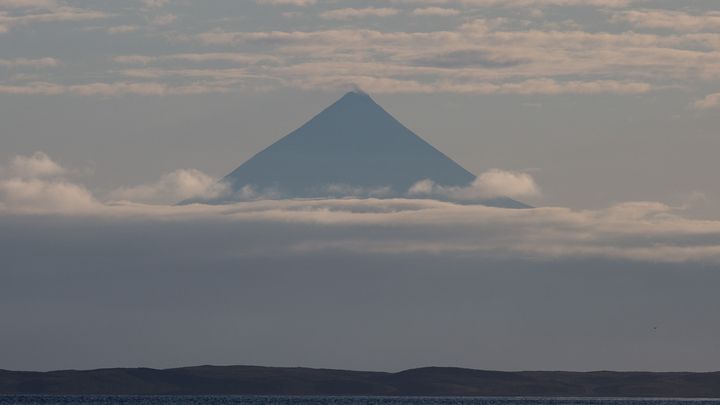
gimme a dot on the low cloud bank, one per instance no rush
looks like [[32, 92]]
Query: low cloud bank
[[640, 231], [36, 165], [491, 184], [173, 187]]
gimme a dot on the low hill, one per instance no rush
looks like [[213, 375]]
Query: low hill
[[433, 381]]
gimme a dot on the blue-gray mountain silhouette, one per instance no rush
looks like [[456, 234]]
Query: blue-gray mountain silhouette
[[353, 148]]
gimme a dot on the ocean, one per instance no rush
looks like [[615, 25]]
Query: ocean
[[275, 400]]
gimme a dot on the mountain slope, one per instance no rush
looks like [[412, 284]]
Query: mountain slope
[[353, 147]]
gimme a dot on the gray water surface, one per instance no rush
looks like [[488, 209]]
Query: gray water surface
[[262, 400]]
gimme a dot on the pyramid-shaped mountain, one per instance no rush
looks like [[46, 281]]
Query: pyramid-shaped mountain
[[353, 145], [353, 148]]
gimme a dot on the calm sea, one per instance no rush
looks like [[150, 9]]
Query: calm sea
[[255, 400]]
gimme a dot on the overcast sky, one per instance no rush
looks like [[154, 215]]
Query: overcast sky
[[604, 113]]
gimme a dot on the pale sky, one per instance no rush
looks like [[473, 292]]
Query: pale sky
[[602, 101], [603, 113]]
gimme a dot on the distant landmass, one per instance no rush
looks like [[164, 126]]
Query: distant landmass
[[432, 381], [354, 148]]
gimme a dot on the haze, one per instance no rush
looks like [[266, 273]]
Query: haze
[[602, 113]]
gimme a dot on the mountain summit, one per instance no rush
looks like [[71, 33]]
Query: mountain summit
[[354, 147]]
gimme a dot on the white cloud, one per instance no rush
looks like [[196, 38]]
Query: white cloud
[[436, 11], [217, 74], [481, 56], [350, 13], [165, 19], [43, 11], [670, 19], [527, 3], [40, 195], [490, 184], [172, 188], [112, 89], [298, 3], [503, 183], [122, 29], [28, 3], [33, 63], [155, 3], [641, 231], [710, 101], [235, 57], [37, 165], [506, 55], [645, 232], [35, 183], [379, 85]]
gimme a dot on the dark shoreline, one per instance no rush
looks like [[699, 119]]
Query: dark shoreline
[[422, 382]]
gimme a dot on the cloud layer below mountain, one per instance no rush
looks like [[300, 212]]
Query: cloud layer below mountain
[[90, 281], [639, 231]]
